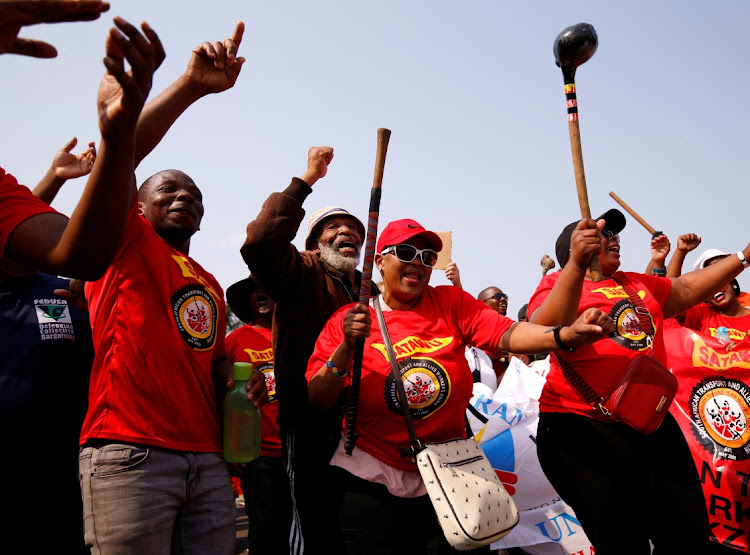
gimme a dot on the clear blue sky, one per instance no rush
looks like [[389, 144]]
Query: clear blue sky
[[475, 104]]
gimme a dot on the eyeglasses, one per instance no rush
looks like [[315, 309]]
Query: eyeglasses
[[407, 253], [497, 297], [609, 234]]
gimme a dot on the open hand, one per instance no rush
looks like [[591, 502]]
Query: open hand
[[660, 247], [67, 165], [15, 14], [122, 94], [592, 325]]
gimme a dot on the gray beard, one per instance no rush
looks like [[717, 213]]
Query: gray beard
[[332, 257]]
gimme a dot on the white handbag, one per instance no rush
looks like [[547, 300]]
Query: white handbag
[[471, 504]]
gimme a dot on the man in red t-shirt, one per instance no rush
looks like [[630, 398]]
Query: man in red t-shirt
[[268, 500], [152, 475], [33, 236]]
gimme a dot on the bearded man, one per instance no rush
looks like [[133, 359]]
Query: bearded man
[[307, 287]]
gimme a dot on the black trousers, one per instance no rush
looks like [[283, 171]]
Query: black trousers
[[268, 504], [372, 521], [625, 487]]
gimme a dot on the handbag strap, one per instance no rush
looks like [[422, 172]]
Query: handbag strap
[[577, 381], [415, 446], [581, 385], [641, 310]]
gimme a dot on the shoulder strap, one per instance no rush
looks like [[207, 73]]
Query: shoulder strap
[[580, 385], [644, 314], [414, 444]]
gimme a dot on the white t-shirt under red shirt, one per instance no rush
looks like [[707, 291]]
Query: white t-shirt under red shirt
[[429, 343]]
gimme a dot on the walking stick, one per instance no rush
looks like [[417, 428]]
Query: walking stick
[[350, 437]]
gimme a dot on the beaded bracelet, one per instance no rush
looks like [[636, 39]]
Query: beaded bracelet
[[335, 370]]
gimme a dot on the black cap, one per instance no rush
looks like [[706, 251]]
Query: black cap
[[615, 222], [238, 298], [522, 312]]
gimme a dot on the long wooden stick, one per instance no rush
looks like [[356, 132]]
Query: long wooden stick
[[575, 147], [350, 436], [633, 213]]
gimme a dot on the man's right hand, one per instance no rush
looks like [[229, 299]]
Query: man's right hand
[[214, 67], [318, 160], [122, 94]]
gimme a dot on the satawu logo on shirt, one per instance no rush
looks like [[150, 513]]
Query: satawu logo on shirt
[[413, 345], [195, 313], [260, 356], [616, 292]]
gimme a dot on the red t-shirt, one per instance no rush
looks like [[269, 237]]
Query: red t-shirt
[[429, 343], [17, 204], [602, 363], [158, 321], [249, 344], [706, 319]]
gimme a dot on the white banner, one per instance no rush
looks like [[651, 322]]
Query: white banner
[[505, 424]]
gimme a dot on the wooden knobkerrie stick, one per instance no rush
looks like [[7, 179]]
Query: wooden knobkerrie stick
[[633, 213]]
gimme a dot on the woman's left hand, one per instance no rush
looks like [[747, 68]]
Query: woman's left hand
[[590, 326]]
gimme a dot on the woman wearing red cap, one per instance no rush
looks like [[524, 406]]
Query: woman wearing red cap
[[383, 504]]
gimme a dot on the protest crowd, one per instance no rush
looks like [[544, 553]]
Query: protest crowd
[[133, 440]]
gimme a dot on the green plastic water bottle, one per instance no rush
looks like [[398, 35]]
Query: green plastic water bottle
[[241, 419]]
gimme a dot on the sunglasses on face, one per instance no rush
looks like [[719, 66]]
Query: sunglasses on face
[[609, 234], [407, 253], [497, 296]]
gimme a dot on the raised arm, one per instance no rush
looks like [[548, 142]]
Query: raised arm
[[213, 68], [268, 250], [15, 14], [694, 287], [84, 246], [561, 305], [65, 165], [685, 244], [660, 247], [453, 274]]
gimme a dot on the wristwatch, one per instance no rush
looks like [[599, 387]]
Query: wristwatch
[[741, 256], [563, 346]]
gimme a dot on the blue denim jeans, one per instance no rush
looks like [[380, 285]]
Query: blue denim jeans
[[140, 499]]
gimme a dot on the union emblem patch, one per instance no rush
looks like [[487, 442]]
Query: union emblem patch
[[195, 313]]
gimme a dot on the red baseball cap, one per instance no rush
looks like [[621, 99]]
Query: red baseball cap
[[400, 231]]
